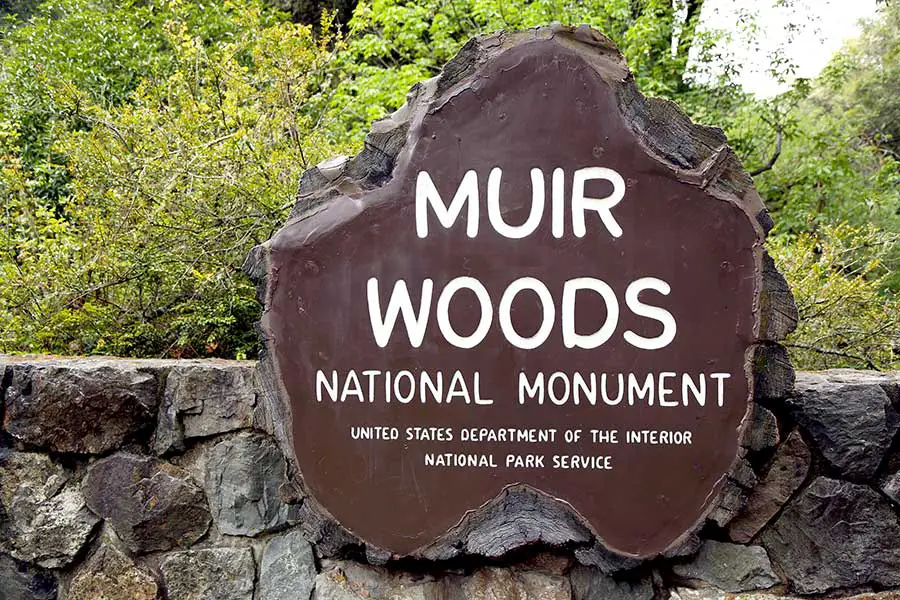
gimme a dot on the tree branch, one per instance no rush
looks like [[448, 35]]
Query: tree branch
[[861, 359], [779, 139]]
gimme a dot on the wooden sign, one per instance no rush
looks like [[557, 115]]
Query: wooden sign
[[531, 276]]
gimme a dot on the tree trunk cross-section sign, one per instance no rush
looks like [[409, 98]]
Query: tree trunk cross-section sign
[[539, 279]]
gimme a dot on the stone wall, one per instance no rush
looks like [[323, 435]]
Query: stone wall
[[146, 479]]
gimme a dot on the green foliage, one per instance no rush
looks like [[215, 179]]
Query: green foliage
[[835, 193], [395, 43], [17, 9], [165, 195], [836, 274], [828, 170], [101, 49], [838, 164], [145, 146], [864, 79]]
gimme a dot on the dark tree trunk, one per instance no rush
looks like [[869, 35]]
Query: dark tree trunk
[[310, 11], [686, 38]]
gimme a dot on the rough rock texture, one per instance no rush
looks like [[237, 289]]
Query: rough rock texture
[[201, 401], [350, 581], [288, 568], [852, 425], [506, 584], [243, 482], [778, 310], [688, 547], [84, 406], [786, 472], [710, 593], [714, 594], [43, 517], [732, 500], [21, 581], [836, 534], [773, 373], [110, 575], [734, 493], [730, 567], [150, 504], [891, 487], [889, 382], [596, 555], [592, 584], [834, 537], [211, 574], [763, 430]]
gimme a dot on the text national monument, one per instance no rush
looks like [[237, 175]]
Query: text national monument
[[533, 285]]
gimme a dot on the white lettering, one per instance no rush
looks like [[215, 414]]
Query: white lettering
[[603, 206], [400, 302], [495, 214], [571, 338], [547, 306], [426, 193], [443, 312], [651, 312]]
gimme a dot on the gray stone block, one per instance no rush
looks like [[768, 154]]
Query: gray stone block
[[46, 520], [836, 534], [21, 581], [211, 574], [592, 584], [244, 475], [205, 400], [730, 567], [288, 568], [851, 424]]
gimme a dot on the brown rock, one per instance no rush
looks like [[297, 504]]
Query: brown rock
[[84, 406], [506, 584], [151, 505], [110, 575], [346, 580], [788, 469], [763, 432]]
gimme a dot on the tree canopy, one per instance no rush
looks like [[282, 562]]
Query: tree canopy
[[147, 145]]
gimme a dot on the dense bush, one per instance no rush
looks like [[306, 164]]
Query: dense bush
[[145, 146], [136, 181], [838, 273]]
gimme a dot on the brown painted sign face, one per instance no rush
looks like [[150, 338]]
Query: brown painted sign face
[[532, 298]]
